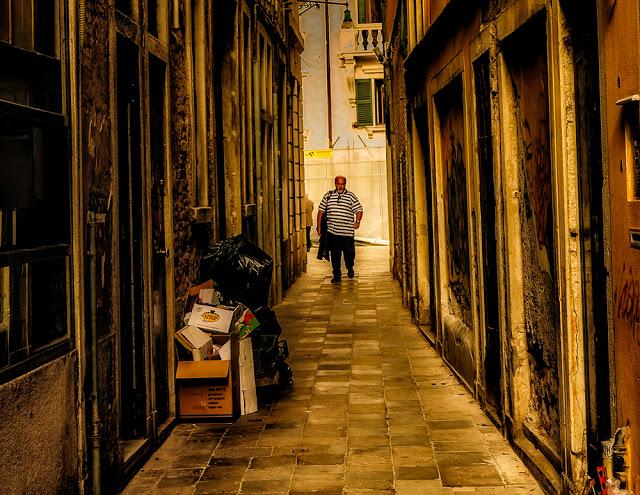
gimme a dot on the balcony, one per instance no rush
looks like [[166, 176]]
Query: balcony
[[356, 53], [360, 40]]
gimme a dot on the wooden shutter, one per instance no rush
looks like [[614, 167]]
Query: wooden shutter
[[363, 102], [362, 11]]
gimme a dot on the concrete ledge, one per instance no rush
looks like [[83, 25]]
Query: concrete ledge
[[542, 470], [458, 348]]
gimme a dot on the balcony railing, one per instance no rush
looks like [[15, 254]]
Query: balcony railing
[[368, 36], [361, 38]]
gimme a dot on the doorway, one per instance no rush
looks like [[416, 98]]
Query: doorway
[[420, 118], [492, 343], [591, 225], [157, 156], [133, 390]]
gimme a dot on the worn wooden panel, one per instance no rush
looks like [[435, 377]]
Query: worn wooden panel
[[528, 64], [455, 200]]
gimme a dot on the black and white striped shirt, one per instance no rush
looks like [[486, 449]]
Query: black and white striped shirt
[[340, 209]]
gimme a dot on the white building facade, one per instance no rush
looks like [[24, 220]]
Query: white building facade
[[344, 120]]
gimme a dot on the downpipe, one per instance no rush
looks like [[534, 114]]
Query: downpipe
[[82, 22], [94, 427]]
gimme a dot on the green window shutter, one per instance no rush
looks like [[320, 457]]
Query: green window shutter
[[364, 111], [362, 11]]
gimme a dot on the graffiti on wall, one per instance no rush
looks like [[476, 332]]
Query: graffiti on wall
[[538, 177], [626, 300], [529, 75], [455, 203]]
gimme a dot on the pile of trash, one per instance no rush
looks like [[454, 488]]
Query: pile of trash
[[227, 318]]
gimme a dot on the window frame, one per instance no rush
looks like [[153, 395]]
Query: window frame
[[16, 256], [374, 103]]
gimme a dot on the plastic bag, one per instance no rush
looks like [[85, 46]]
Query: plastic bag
[[268, 321], [241, 270]]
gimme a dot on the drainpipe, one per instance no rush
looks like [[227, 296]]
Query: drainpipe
[[175, 24], [328, 64], [257, 153], [94, 429], [412, 214], [403, 240], [82, 22], [277, 187]]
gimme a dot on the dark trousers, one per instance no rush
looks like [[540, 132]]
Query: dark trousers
[[339, 244], [308, 239]]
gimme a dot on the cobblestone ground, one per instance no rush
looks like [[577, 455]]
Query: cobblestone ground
[[373, 410]]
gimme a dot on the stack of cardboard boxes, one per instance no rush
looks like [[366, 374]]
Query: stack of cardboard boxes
[[215, 374]]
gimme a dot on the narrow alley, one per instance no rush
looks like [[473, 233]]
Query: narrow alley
[[373, 409], [167, 171]]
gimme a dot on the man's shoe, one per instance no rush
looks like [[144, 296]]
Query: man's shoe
[[350, 273], [335, 280]]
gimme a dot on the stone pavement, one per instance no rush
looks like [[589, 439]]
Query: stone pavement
[[373, 410]]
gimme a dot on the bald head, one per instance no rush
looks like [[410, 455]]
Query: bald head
[[341, 183]]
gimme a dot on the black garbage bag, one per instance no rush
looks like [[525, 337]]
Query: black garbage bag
[[268, 321], [269, 358], [265, 355], [241, 270]]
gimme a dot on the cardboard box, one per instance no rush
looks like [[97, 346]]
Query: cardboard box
[[214, 318], [204, 389], [199, 294], [222, 346], [208, 296], [195, 340], [248, 394]]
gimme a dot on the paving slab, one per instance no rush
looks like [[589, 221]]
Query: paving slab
[[373, 410]]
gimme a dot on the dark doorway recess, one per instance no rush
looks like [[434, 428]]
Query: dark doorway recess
[[421, 119], [582, 19], [157, 152], [492, 342], [132, 341]]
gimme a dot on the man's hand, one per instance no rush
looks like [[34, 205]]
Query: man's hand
[[319, 222], [356, 224]]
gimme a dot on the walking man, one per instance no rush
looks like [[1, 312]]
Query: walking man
[[340, 206]]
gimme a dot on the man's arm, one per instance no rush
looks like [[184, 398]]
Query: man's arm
[[319, 222], [358, 218]]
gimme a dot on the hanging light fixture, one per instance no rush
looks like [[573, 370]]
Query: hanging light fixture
[[305, 6]]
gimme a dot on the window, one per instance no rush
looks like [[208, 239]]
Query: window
[[632, 141], [369, 11], [369, 102], [34, 187]]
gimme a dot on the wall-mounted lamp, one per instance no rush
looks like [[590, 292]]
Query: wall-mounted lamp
[[305, 6], [347, 21]]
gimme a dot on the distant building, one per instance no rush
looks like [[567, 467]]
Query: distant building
[[344, 119]]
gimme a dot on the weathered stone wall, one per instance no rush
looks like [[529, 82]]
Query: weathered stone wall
[[182, 162], [38, 431], [398, 118], [97, 174]]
